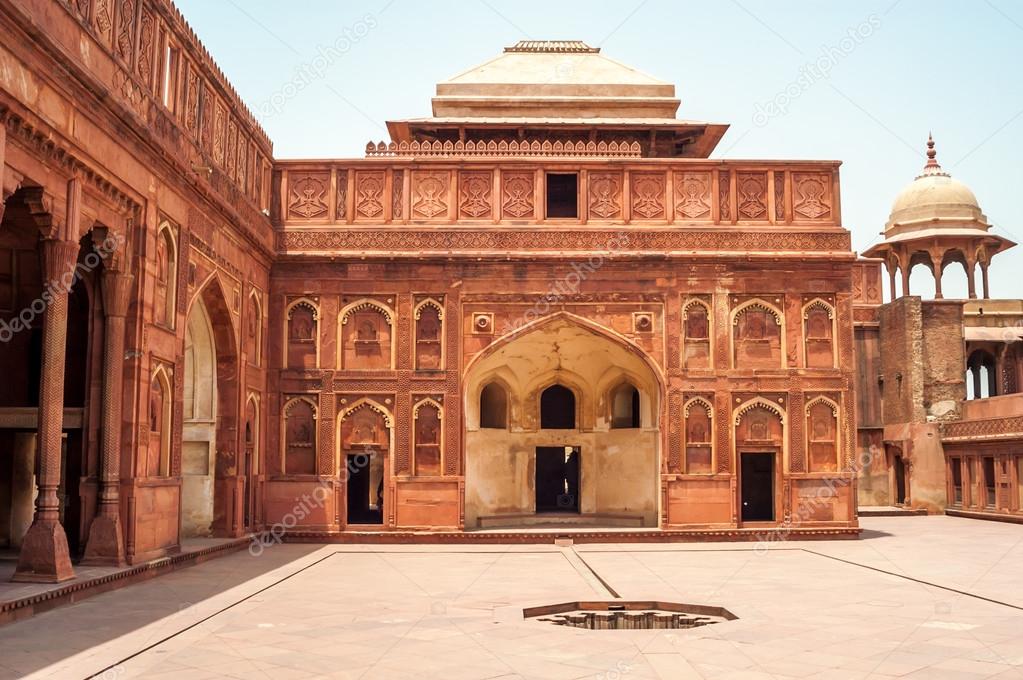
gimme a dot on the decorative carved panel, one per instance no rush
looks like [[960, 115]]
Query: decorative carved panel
[[605, 195], [253, 326], [724, 195], [779, 196], [430, 194], [219, 131], [397, 195], [124, 44], [341, 210], [365, 427], [648, 195], [751, 188], [759, 425], [308, 196], [811, 195], [693, 195], [147, 35], [696, 345], [517, 189], [369, 194], [474, 194]]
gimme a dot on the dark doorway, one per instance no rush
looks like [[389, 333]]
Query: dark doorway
[[557, 478], [562, 195], [757, 487], [899, 468], [557, 408], [365, 488]]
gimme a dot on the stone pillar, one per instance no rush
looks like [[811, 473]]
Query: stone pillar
[[983, 273], [971, 277], [938, 271], [905, 281], [106, 544], [44, 554], [892, 269], [3, 157]]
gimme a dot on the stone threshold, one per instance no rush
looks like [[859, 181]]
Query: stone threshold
[[990, 516], [575, 535], [890, 511], [51, 596]]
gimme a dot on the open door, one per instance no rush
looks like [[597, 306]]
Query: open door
[[557, 478], [757, 487]]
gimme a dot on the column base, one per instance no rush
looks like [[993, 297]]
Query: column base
[[105, 547], [44, 556]]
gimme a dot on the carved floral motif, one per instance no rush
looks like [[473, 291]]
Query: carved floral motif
[[308, 196], [605, 189], [517, 194], [397, 194], [342, 195], [811, 195], [724, 195], [429, 194], [648, 194], [369, 193], [474, 194], [692, 194], [752, 191]]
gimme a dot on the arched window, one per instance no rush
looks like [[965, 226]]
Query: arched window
[[299, 437], [757, 339], [625, 407], [365, 330], [822, 435], [428, 438], [699, 428], [819, 332], [166, 276], [557, 408], [493, 407], [160, 401], [302, 333], [696, 335], [253, 328], [429, 336], [981, 375]]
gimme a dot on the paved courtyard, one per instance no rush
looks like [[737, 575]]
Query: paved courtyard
[[917, 597]]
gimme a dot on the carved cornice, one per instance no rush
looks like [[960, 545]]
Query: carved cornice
[[414, 243], [988, 429], [513, 149]]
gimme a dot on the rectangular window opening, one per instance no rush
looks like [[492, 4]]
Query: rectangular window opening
[[562, 195]]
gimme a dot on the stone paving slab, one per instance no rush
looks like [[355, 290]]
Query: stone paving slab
[[882, 607]]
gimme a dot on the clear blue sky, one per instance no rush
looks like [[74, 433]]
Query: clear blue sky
[[915, 65]]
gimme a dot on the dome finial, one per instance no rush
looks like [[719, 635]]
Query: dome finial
[[932, 167]]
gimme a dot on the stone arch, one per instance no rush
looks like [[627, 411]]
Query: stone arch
[[820, 350], [698, 437], [619, 468], [823, 448], [253, 334], [779, 443], [623, 405], [226, 516], [697, 334], [300, 436], [252, 463], [301, 346], [364, 457], [957, 256], [429, 351], [166, 259], [913, 283], [362, 348], [428, 437], [161, 401], [494, 406], [747, 349], [981, 374]]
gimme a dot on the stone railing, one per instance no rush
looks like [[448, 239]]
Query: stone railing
[[528, 149]]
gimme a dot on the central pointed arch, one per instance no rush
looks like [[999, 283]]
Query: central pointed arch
[[608, 471]]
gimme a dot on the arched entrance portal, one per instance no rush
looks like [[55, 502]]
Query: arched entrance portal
[[552, 451], [210, 502]]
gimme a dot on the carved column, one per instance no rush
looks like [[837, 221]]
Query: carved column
[[106, 545], [44, 554], [3, 157], [938, 271], [971, 276], [983, 273]]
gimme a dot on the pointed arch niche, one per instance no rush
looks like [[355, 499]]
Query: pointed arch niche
[[298, 426], [161, 400], [301, 333], [253, 341], [365, 441], [429, 318], [366, 336], [819, 334], [428, 450], [822, 435], [696, 334], [758, 338], [699, 436], [166, 275]]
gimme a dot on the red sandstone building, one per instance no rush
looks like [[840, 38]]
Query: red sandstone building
[[543, 305]]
